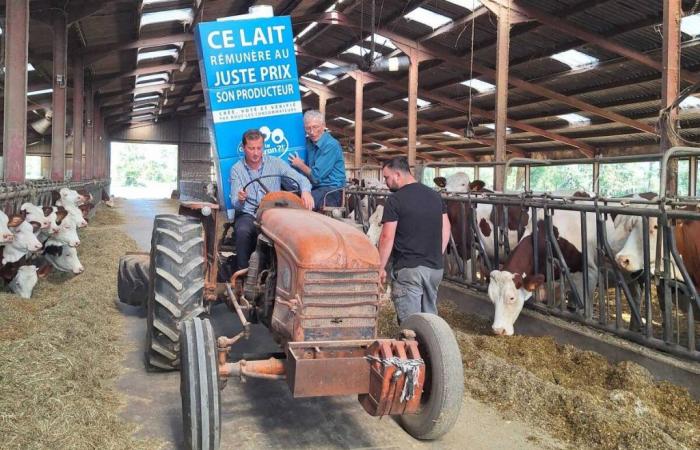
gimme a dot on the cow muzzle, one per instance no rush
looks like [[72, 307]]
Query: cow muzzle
[[498, 331]]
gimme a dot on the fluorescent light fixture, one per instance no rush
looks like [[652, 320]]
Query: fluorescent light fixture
[[690, 102], [303, 88], [428, 17], [40, 92], [451, 134], [306, 30], [575, 119], [140, 116], [381, 40], [344, 119], [185, 15], [168, 53], [420, 102], [30, 68], [478, 85], [690, 25], [143, 108], [380, 111], [357, 50], [471, 5], [575, 58], [493, 127]]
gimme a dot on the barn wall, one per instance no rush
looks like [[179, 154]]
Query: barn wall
[[191, 135]]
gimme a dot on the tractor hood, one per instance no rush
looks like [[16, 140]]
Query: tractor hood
[[313, 240]]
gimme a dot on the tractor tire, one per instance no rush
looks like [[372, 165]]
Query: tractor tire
[[199, 386], [444, 379], [132, 279], [177, 269]]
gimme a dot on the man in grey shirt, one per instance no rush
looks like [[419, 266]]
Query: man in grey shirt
[[255, 165]]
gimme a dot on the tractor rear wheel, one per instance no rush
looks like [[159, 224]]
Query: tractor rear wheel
[[133, 279], [177, 268], [444, 379], [199, 386]]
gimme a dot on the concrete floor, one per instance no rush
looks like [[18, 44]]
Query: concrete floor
[[262, 414]]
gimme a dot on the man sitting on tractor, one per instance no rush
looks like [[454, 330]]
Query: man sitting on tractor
[[246, 194], [324, 165]]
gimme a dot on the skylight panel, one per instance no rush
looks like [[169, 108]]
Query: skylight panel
[[143, 116], [310, 79], [575, 119], [155, 2], [303, 88], [493, 127], [381, 40], [380, 111], [357, 50], [690, 102], [690, 25], [161, 77], [420, 102], [143, 108], [451, 134], [142, 97], [471, 5], [344, 119], [575, 58], [167, 53], [428, 17], [478, 85], [185, 15], [30, 68], [40, 92]]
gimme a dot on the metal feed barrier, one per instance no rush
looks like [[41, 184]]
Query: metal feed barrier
[[654, 309], [12, 196]]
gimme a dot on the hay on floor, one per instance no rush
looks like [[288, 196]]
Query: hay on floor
[[577, 396], [61, 352]]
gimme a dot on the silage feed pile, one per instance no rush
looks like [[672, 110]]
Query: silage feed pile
[[61, 351], [575, 395]]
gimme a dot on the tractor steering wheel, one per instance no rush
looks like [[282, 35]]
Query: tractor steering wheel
[[296, 188]]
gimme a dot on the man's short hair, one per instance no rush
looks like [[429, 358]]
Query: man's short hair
[[252, 135], [314, 115], [399, 163]]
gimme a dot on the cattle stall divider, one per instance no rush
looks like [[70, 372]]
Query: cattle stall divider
[[39, 192], [638, 310]]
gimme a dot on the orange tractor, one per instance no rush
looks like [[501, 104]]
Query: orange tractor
[[313, 281]]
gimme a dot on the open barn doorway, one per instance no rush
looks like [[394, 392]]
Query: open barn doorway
[[141, 170]]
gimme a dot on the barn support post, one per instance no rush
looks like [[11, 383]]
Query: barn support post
[[15, 117], [693, 178], [670, 84], [502, 52], [412, 105], [596, 177], [322, 100], [97, 143], [60, 82], [359, 97], [88, 172], [78, 102]]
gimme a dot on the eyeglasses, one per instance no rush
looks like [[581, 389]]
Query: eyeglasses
[[313, 127]]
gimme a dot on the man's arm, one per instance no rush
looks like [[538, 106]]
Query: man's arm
[[304, 185], [386, 244], [446, 231], [325, 161], [236, 185]]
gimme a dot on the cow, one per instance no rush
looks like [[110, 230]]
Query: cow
[[76, 213], [67, 233], [24, 241], [514, 283], [24, 280], [6, 234], [67, 196], [63, 258], [34, 213], [375, 225]]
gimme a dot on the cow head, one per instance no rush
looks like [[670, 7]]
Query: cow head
[[457, 182], [64, 258], [375, 225], [6, 235], [508, 292], [35, 213], [67, 230], [51, 214], [440, 182], [23, 283], [70, 197], [24, 240], [631, 257]]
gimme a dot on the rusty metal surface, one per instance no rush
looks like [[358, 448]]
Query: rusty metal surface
[[313, 240], [327, 368], [384, 395]]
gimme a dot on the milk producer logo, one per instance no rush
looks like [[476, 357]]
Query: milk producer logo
[[275, 143]]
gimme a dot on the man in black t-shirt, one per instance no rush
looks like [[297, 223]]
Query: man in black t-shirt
[[415, 233]]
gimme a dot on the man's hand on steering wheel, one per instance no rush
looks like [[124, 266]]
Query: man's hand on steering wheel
[[306, 198]]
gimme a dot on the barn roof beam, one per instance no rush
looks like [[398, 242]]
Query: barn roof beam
[[92, 56]]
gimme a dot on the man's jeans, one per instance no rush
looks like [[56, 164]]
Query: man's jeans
[[332, 199], [246, 238], [414, 290]]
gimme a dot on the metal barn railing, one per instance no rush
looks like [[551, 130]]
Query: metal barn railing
[[12, 196]]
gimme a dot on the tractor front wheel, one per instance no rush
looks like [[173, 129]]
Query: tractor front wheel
[[176, 288], [199, 386], [444, 379]]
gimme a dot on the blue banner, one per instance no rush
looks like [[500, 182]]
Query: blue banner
[[249, 79]]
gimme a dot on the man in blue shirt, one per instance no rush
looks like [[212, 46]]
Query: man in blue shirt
[[324, 164], [255, 165]]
